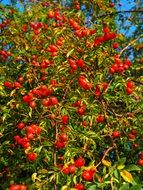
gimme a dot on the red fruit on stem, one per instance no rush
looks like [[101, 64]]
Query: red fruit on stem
[[23, 187], [72, 168], [30, 136], [79, 162], [140, 162], [131, 136], [115, 45], [87, 175], [60, 144], [79, 186], [30, 129], [17, 85], [21, 125], [32, 156], [80, 63], [65, 119], [54, 101], [32, 104], [63, 137], [100, 119], [133, 132], [66, 170], [129, 91], [130, 84], [112, 4], [97, 91], [8, 84], [116, 134], [14, 187]]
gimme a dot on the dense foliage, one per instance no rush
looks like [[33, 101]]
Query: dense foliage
[[71, 99]]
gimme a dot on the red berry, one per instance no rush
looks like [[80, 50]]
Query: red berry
[[79, 186], [72, 168], [60, 144], [115, 45], [52, 116], [131, 136], [66, 170], [20, 79], [8, 84], [140, 162], [97, 91], [116, 134], [32, 104], [112, 4], [54, 101], [30, 136], [82, 82], [30, 129], [100, 119], [133, 132], [80, 63], [65, 119], [23, 187], [14, 187], [32, 156], [46, 102], [21, 125], [130, 84], [129, 91], [24, 27], [106, 30], [87, 175], [79, 162], [17, 85], [63, 137]]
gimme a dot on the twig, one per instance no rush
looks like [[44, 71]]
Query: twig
[[131, 43], [105, 154], [55, 155], [118, 12]]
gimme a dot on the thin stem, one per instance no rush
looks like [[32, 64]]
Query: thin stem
[[131, 43], [55, 154], [118, 12]]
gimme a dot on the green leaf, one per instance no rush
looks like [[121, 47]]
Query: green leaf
[[122, 161], [93, 187], [133, 167], [127, 176], [136, 187], [124, 187], [70, 52], [120, 167], [116, 173]]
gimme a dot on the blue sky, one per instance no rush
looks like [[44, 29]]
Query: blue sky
[[126, 5]]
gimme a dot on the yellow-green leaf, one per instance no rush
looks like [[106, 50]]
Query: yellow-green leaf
[[106, 163], [120, 167], [70, 52], [127, 176], [65, 187]]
